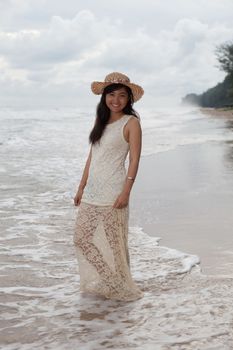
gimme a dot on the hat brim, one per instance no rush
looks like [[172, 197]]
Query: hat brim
[[98, 87]]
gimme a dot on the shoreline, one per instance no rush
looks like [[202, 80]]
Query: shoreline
[[179, 198], [218, 112], [177, 192]]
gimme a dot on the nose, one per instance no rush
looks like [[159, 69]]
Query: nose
[[116, 99]]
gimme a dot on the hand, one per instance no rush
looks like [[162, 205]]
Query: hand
[[121, 201], [78, 197]]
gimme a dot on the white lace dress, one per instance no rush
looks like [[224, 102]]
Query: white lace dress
[[101, 231]]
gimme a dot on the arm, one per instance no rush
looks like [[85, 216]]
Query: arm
[[78, 196], [135, 144]]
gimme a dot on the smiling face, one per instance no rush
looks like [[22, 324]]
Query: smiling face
[[117, 100]]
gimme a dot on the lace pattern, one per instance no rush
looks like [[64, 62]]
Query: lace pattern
[[101, 245], [107, 169]]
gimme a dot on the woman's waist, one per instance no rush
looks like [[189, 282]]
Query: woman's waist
[[105, 195], [106, 172], [108, 163]]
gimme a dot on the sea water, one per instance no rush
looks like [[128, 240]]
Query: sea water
[[43, 153]]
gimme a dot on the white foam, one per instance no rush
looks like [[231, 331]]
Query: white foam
[[40, 282], [59, 317], [179, 127]]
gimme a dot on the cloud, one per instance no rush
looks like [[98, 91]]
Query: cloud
[[58, 59], [63, 40], [153, 14]]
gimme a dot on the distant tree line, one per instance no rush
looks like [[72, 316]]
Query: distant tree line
[[220, 95]]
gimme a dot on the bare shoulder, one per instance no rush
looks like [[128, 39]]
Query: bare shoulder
[[134, 122], [132, 128]]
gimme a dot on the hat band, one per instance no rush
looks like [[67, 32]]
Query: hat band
[[117, 81]]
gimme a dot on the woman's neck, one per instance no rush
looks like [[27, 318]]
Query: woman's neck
[[115, 116]]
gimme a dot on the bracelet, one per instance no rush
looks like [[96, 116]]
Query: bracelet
[[130, 178]]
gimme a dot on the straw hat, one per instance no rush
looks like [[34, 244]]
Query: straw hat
[[98, 87]]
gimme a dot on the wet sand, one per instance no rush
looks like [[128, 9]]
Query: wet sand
[[41, 307], [185, 196], [218, 112]]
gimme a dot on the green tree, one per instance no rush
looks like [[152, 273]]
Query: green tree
[[224, 53], [220, 95]]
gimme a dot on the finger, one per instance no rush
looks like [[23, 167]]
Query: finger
[[118, 205], [115, 204], [76, 202]]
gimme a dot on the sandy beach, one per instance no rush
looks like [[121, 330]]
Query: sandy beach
[[185, 196], [218, 112], [180, 238]]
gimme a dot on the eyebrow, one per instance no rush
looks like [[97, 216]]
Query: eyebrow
[[120, 93]]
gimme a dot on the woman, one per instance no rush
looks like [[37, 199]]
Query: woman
[[101, 232]]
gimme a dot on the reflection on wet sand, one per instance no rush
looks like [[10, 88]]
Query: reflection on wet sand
[[41, 306], [56, 315]]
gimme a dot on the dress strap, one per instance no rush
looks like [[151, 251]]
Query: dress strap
[[125, 120]]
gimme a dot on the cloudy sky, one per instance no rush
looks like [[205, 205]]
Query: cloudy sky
[[50, 50]]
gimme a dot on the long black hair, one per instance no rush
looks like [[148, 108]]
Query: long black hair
[[103, 112]]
